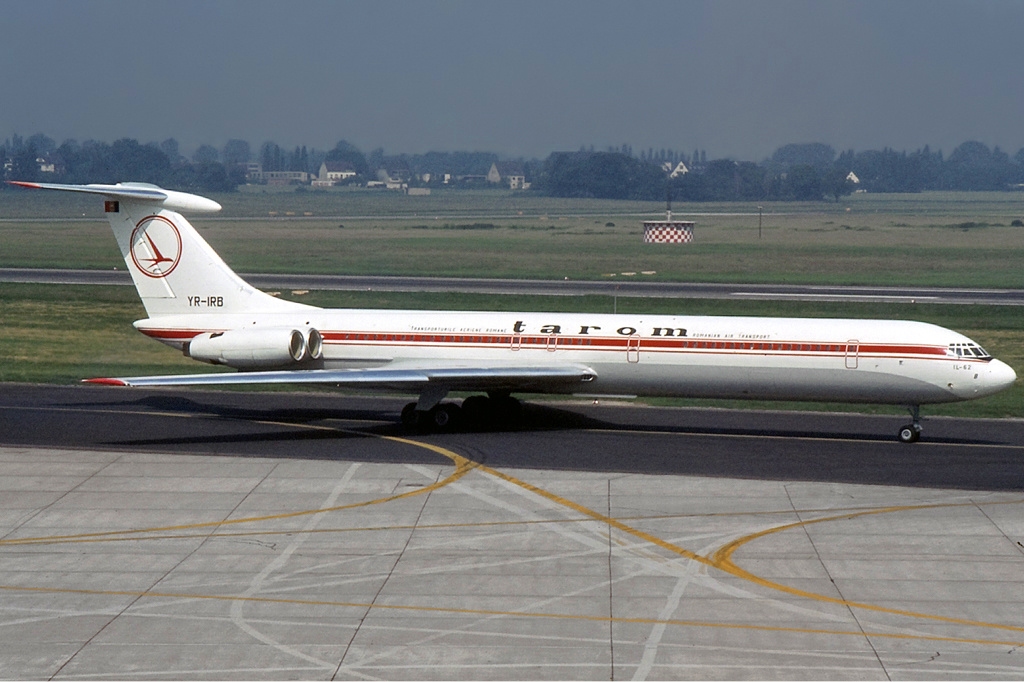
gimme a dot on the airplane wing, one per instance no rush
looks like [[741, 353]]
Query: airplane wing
[[410, 378]]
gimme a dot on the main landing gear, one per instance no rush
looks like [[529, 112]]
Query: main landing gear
[[477, 412], [911, 433]]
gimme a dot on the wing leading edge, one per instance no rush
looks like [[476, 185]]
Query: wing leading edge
[[408, 378]]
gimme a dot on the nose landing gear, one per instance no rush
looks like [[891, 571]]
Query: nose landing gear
[[911, 433]]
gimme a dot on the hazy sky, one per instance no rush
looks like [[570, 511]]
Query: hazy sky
[[526, 78]]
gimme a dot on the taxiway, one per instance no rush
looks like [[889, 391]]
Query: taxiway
[[187, 534], [624, 287]]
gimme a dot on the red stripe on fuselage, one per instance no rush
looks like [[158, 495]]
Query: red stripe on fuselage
[[600, 343]]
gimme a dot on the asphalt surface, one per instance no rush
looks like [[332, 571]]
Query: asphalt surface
[[237, 535], [580, 436], [623, 286]]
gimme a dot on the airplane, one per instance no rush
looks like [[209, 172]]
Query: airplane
[[198, 305]]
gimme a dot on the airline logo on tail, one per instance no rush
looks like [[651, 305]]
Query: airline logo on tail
[[156, 246]]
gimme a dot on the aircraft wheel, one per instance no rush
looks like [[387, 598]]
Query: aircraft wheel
[[409, 416], [477, 411], [444, 417], [910, 433]]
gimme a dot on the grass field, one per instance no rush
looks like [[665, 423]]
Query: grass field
[[929, 239], [60, 334]]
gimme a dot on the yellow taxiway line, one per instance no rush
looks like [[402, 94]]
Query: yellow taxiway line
[[720, 559]]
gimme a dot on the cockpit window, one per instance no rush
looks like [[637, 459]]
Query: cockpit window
[[968, 350]]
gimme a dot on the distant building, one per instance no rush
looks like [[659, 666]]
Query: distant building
[[253, 171], [336, 171], [394, 176], [508, 173], [396, 171], [284, 177], [680, 169]]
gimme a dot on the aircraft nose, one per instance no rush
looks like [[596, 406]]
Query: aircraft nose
[[1000, 375]]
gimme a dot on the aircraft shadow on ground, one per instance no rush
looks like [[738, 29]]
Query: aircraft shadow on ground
[[750, 449], [565, 439]]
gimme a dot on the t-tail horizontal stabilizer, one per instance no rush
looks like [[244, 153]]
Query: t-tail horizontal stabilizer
[[175, 271], [137, 192]]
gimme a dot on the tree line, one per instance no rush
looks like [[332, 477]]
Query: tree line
[[39, 158], [794, 172]]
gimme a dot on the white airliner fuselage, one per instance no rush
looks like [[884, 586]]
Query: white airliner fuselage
[[874, 361], [197, 304]]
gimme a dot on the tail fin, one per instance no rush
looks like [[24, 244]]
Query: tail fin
[[175, 271]]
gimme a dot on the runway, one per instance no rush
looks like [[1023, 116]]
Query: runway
[[193, 534], [621, 286]]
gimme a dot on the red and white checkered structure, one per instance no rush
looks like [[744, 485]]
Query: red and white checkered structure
[[668, 232]]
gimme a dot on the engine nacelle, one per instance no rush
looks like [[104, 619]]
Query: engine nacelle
[[257, 347]]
